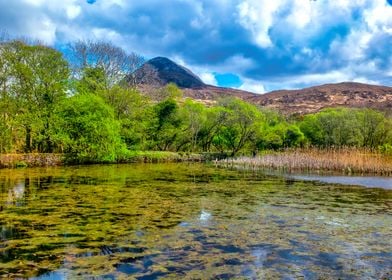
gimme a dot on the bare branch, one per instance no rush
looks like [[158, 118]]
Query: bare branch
[[115, 62]]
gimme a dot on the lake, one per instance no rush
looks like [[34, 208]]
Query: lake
[[189, 221]]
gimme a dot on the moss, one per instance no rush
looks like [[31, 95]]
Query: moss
[[21, 164]]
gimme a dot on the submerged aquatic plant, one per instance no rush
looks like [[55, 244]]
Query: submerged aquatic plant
[[187, 221]]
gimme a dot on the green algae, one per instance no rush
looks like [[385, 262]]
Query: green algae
[[188, 221]]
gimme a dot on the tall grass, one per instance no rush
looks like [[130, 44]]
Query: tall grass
[[343, 160]]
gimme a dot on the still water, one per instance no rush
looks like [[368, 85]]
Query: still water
[[189, 221]]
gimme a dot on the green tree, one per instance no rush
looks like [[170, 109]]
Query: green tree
[[167, 125], [89, 131], [36, 79], [373, 126], [215, 117], [333, 127], [135, 113], [170, 91], [93, 80], [293, 136], [311, 128], [193, 115], [240, 125], [7, 108]]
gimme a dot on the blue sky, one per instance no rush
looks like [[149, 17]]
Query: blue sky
[[256, 45]]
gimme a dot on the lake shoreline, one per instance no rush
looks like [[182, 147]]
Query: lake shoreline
[[316, 161], [52, 159]]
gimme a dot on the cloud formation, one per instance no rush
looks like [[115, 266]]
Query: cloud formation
[[266, 44]]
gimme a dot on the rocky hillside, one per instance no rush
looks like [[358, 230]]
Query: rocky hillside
[[313, 99], [160, 71]]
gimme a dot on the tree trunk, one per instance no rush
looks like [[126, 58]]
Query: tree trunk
[[28, 140]]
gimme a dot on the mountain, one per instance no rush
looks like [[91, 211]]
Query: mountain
[[313, 99], [160, 71]]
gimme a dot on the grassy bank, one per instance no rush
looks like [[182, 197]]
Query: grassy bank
[[41, 159], [345, 161], [160, 156]]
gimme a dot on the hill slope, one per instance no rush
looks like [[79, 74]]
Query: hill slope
[[161, 71], [315, 98]]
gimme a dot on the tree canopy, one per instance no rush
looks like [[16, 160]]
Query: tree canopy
[[80, 106]]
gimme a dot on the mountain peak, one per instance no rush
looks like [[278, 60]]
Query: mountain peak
[[161, 71], [161, 59]]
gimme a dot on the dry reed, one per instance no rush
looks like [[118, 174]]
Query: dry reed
[[344, 160]]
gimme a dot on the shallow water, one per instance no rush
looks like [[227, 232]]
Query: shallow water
[[384, 182], [189, 221], [366, 181]]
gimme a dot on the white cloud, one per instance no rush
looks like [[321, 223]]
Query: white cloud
[[347, 74], [203, 73], [305, 19], [236, 63], [208, 78], [252, 86], [35, 2], [105, 34], [257, 16], [47, 32], [352, 47], [73, 11], [108, 3], [356, 47], [379, 17], [301, 14], [345, 39], [330, 77]]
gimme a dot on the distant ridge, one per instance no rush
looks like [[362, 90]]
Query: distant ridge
[[161, 71], [313, 99]]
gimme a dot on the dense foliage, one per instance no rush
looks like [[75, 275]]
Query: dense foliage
[[47, 104]]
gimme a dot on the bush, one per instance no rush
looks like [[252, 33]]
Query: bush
[[386, 149], [89, 131]]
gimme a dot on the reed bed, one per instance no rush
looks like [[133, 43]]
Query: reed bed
[[346, 161]]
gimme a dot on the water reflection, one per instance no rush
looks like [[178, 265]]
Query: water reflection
[[204, 217], [371, 182], [16, 194], [188, 221]]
